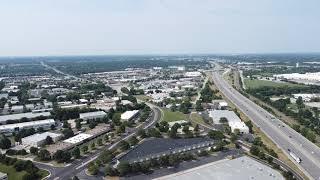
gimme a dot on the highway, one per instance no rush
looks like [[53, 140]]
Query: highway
[[280, 133], [59, 173]]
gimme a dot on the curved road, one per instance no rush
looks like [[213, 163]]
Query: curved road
[[280, 133], [80, 164]]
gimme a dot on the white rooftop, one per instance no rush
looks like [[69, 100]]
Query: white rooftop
[[78, 138], [129, 114], [239, 168], [217, 114], [21, 115], [26, 124], [92, 114], [40, 136]]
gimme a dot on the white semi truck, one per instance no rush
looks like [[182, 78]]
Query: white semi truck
[[294, 156]]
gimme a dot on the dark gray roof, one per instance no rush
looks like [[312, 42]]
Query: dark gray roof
[[159, 145]]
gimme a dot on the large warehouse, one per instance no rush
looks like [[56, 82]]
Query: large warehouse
[[93, 115], [9, 128], [29, 115], [240, 168], [38, 139], [233, 120], [129, 115]]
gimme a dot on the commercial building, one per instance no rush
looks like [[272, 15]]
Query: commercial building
[[78, 138], [155, 148], [129, 115], [240, 168], [93, 115], [9, 128], [233, 120], [193, 74], [38, 139], [29, 115]]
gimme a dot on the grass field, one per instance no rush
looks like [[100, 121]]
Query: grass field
[[255, 83], [169, 116], [12, 173], [196, 118]]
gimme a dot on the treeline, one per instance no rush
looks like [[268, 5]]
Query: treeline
[[265, 92], [73, 65], [207, 94], [304, 116], [25, 70], [132, 91], [280, 70]]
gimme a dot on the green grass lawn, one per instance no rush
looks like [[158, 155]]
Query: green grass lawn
[[255, 83], [169, 116], [197, 118], [12, 173]]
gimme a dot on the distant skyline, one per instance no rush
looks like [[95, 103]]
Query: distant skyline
[[116, 27]]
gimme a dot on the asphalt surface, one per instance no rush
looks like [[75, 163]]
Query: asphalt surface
[[80, 165], [281, 134]]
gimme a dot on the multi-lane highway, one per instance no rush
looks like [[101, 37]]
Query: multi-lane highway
[[280, 133], [79, 165]]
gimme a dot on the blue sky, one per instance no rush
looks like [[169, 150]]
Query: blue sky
[[80, 27]]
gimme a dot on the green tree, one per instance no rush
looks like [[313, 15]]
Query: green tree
[[133, 141], [124, 145], [93, 145], [44, 155], [85, 149], [5, 143], [99, 142], [124, 168], [76, 152], [48, 140], [254, 150], [34, 150], [217, 135], [93, 169]]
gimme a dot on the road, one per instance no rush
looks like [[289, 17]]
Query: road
[[280, 133], [58, 71], [80, 164]]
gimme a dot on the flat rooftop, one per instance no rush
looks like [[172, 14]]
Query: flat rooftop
[[40, 136], [159, 145], [78, 138], [240, 168], [21, 115], [230, 115], [27, 124], [92, 114]]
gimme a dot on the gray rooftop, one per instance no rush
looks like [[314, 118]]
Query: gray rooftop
[[240, 168], [230, 115], [92, 114], [21, 115], [160, 145]]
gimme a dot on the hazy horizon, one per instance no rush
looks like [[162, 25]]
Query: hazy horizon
[[158, 27]]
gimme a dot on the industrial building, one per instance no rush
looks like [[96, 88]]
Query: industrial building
[[193, 74], [129, 115], [154, 148], [93, 115], [233, 120], [29, 115], [240, 168], [9, 128], [37, 140]]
